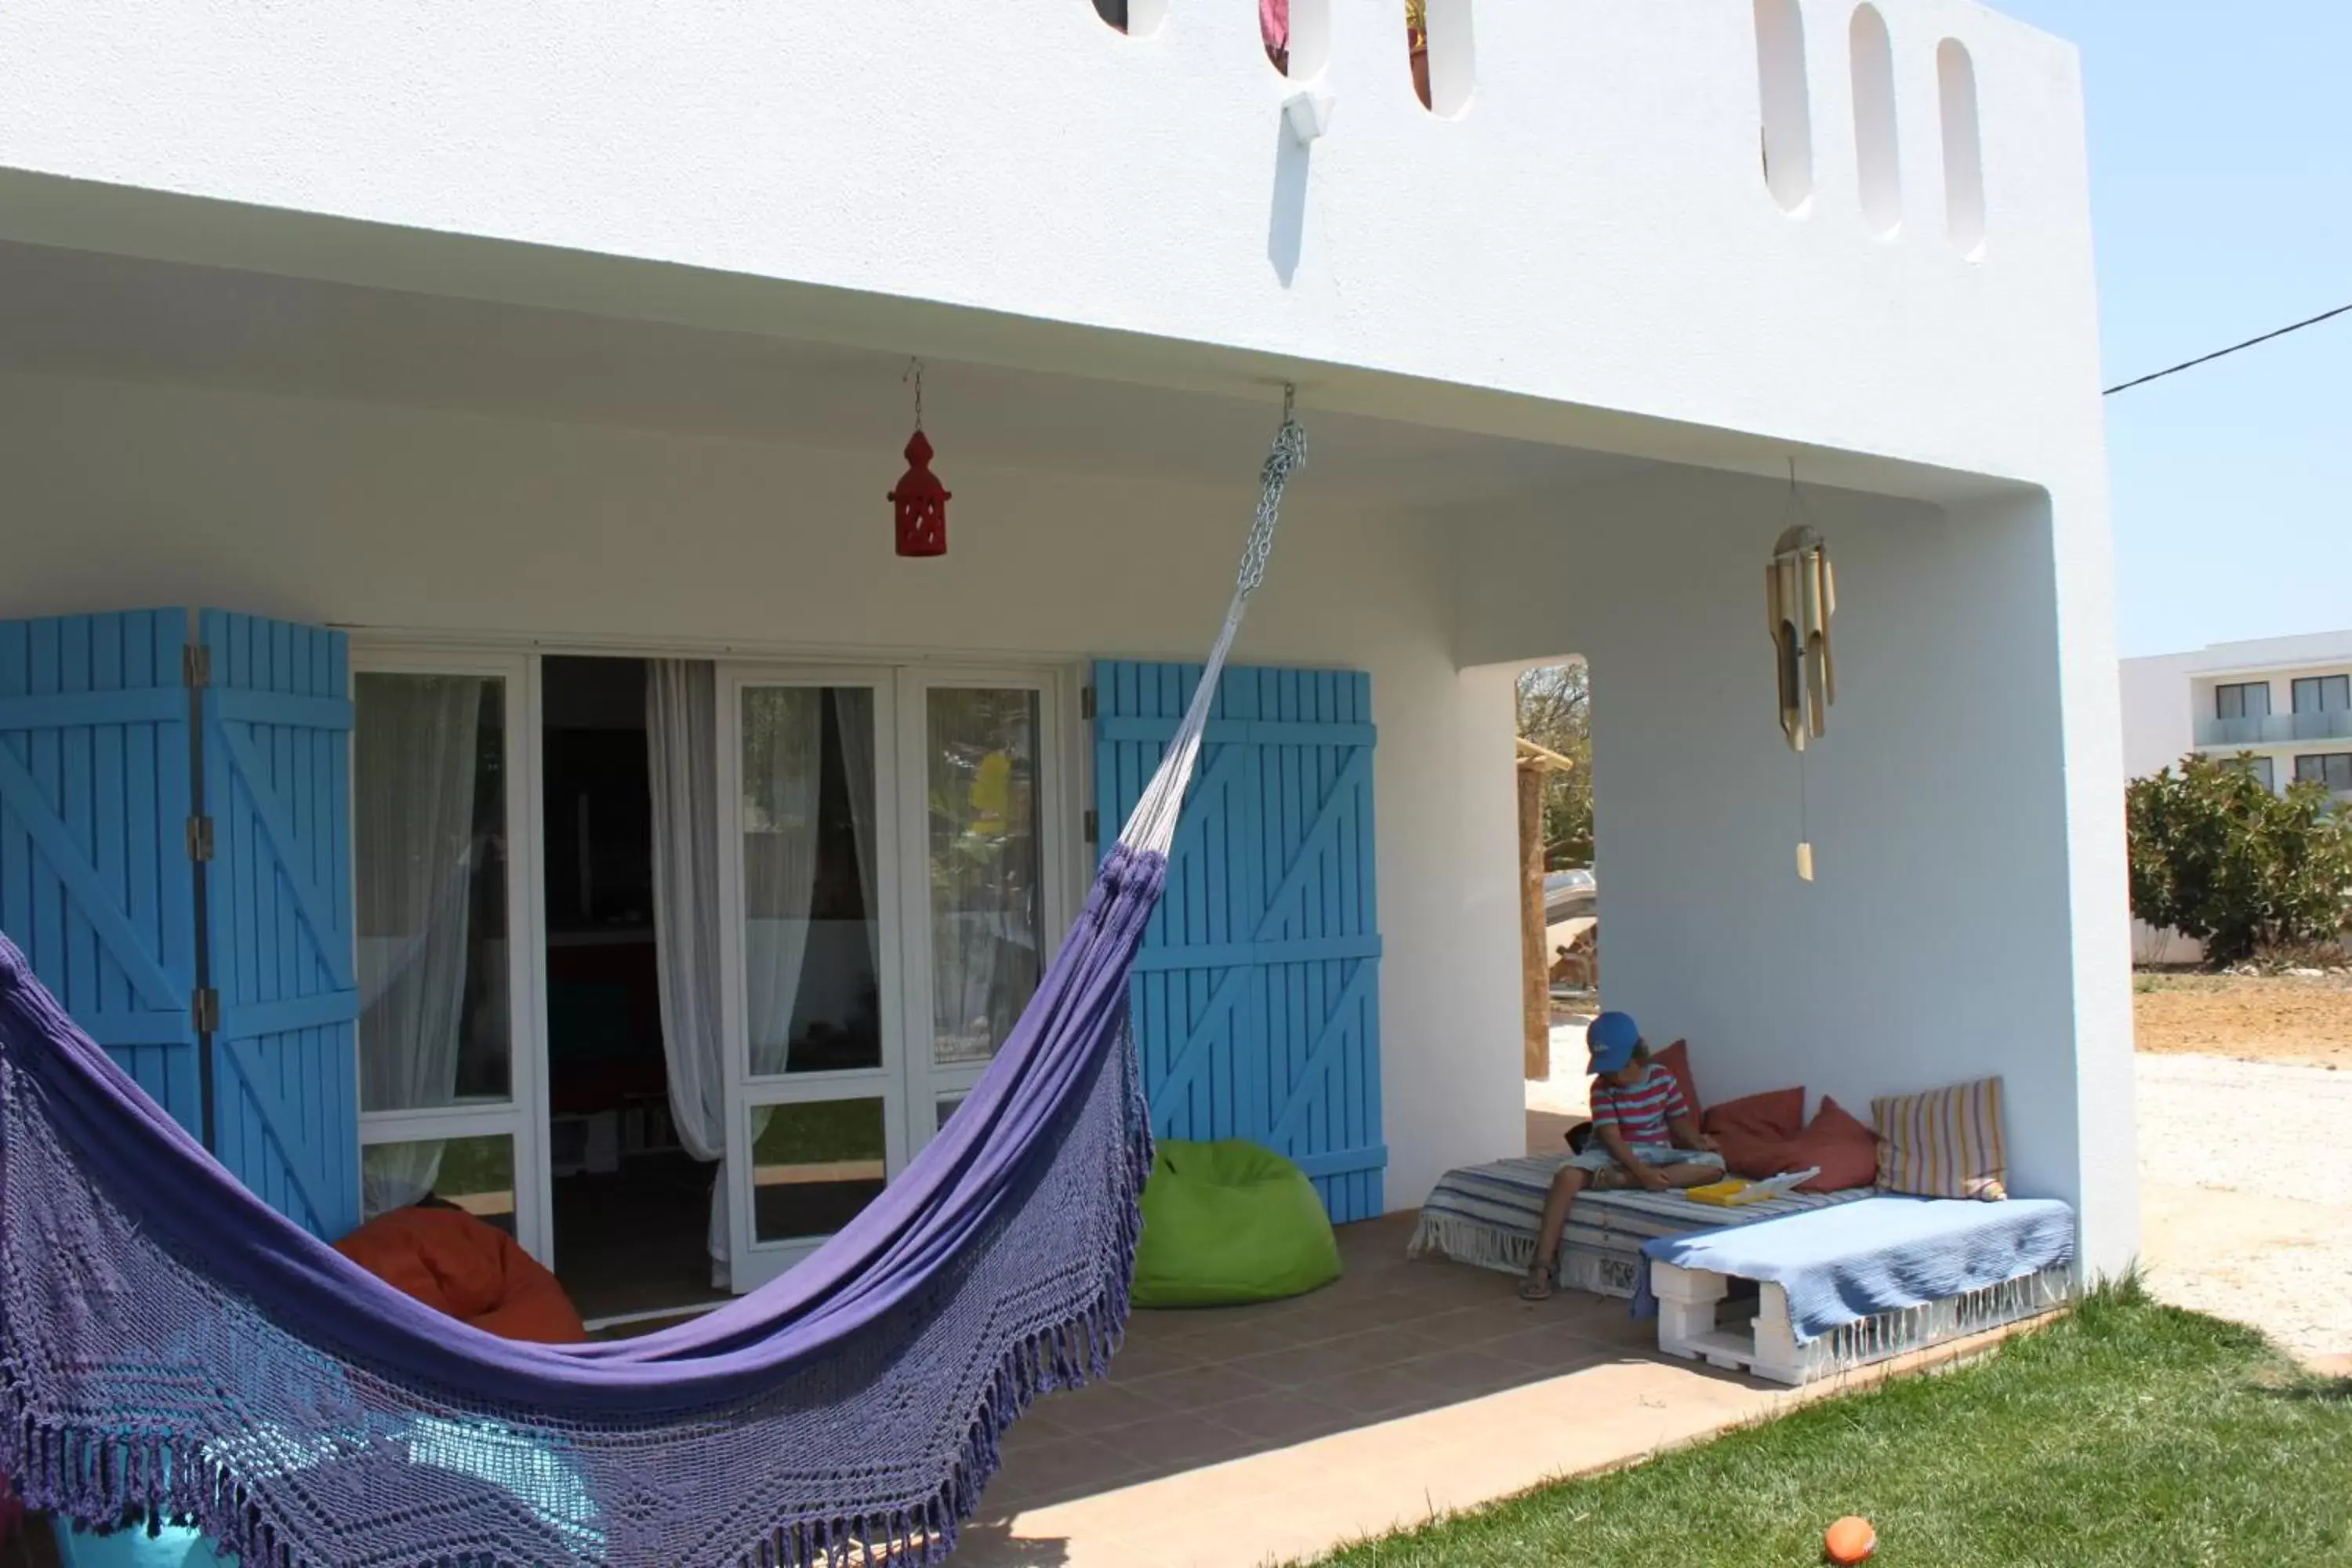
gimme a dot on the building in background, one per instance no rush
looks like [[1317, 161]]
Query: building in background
[[2286, 702]]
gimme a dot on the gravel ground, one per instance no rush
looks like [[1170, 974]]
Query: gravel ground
[[2244, 1181]]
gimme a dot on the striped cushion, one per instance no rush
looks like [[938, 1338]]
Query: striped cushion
[[1945, 1144]]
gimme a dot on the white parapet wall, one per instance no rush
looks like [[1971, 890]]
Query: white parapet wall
[[1591, 225]]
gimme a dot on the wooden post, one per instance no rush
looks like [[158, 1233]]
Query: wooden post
[[1534, 962]]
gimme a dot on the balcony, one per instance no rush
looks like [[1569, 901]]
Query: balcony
[[2275, 729]]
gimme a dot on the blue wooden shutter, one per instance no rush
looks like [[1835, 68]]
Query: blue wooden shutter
[[1256, 997], [276, 717], [96, 885]]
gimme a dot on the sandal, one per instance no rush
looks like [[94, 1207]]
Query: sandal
[[1537, 1286]]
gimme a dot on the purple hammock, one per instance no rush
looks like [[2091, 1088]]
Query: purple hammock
[[172, 1350]]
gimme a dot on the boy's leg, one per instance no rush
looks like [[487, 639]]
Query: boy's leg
[[1689, 1175], [1566, 1183]]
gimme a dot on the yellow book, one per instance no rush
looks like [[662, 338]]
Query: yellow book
[[1735, 1193], [1724, 1194]]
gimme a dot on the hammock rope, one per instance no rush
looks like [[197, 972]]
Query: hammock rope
[[173, 1350]]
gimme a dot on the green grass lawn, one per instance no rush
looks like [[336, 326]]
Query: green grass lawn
[[2127, 1434]]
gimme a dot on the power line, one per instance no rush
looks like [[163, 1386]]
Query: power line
[[2233, 348]]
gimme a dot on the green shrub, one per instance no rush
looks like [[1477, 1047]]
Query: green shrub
[[2217, 856]]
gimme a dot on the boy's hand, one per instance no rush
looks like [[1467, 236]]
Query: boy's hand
[[1651, 1177], [1705, 1144]]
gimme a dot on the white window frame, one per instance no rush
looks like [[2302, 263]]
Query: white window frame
[[752, 1261], [522, 1116], [1065, 786], [1059, 871]]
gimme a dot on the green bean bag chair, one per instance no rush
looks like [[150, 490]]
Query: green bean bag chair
[[1228, 1223]]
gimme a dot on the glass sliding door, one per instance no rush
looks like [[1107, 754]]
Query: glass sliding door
[[440, 874], [980, 792], [809, 874]]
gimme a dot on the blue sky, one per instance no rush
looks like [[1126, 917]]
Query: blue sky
[[2222, 188]]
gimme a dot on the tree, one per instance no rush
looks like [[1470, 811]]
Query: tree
[[1556, 713], [2216, 854]]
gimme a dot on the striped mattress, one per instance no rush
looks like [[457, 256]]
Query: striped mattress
[[1487, 1215]]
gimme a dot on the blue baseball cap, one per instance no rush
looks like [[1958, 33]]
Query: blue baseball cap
[[1612, 1038]]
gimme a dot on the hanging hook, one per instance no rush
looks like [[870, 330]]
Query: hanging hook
[[1290, 399], [914, 374]]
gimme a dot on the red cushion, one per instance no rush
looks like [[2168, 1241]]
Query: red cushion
[[1756, 1133], [1778, 1115], [1675, 1059], [1842, 1144]]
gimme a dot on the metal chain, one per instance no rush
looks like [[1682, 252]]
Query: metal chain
[[1288, 455]]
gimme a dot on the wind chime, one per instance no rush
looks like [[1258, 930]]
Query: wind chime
[[920, 501], [1800, 595]]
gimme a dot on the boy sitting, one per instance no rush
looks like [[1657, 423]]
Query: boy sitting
[[1644, 1133]]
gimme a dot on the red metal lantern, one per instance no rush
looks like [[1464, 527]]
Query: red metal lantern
[[921, 502]]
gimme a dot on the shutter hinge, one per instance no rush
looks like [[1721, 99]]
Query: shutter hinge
[[205, 1008], [1087, 704], [195, 666], [200, 838], [1094, 827]]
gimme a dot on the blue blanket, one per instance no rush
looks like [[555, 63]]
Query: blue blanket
[[1841, 1265]]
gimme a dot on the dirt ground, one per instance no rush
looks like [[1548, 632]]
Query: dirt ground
[[2250, 1018]]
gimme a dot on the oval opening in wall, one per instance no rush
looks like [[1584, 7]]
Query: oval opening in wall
[[1442, 45], [1297, 36], [1878, 154], [1141, 19], [1785, 98], [1964, 182]]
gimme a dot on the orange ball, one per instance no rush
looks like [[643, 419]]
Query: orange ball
[[1851, 1540]]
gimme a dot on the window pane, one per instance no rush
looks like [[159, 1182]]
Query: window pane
[[2246, 700], [2323, 694], [986, 891], [476, 1174], [2334, 769], [815, 1166], [428, 790], [947, 1107], [810, 938], [2266, 772]]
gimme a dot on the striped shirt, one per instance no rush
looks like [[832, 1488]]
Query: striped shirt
[[1644, 1113]]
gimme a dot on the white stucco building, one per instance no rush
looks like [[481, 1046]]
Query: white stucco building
[[494, 343], [2286, 702]]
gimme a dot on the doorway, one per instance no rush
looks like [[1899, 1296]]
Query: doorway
[[881, 859], [628, 1206]]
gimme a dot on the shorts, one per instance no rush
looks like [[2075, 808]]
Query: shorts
[[1602, 1163]]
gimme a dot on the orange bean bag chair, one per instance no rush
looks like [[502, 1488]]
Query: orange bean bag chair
[[475, 1273]]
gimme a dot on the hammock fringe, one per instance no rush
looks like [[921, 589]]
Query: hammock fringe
[[107, 1482]]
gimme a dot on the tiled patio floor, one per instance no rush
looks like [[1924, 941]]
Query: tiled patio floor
[[1258, 1434]]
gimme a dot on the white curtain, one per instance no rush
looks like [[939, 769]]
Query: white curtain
[[784, 738], [413, 781], [784, 734], [682, 745], [853, 713]]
